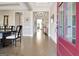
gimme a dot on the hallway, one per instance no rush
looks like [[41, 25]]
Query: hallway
[[39, 45]]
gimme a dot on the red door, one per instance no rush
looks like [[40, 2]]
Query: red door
[[68, 29]]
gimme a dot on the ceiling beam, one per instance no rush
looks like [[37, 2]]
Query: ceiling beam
[[9, 4], [27, 5]]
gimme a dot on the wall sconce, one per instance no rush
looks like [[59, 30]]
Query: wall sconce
[[52, 18], [27, 19]]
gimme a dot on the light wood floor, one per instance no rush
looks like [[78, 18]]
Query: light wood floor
[[39, 45]]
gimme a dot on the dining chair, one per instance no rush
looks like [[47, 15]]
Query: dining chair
[[0, 37], [16, 35], [11, 28], [1, 27]]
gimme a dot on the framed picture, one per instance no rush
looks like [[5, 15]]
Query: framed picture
[[5, 22]]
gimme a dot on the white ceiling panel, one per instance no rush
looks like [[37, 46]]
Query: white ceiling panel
[[41, 5], [25, 5]]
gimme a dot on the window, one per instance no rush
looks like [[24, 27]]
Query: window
[[70, 22], [73, 23], [67, 21], [61, 21]]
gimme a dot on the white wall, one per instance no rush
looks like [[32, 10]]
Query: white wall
[[27, 24], [52, 26]]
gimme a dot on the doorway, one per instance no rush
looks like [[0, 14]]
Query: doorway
[[39, 24], [17, 18], [39, 28]]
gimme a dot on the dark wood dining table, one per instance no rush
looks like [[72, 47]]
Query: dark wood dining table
[[4, 35]]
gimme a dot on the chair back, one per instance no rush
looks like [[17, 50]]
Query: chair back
[[19, 30], [12, 28], [1, 27], [0, 35]]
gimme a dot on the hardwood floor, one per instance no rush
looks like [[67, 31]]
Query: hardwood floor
[[39, 45]]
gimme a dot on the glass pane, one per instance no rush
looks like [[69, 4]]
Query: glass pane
[[61, 21], [73, 20], [73, 41], [70, 22], [74, 8], [69, 12], [74, 34]]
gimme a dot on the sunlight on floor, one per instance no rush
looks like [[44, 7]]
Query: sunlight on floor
[[39, 36]]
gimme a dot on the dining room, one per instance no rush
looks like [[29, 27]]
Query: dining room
[[17, 28]]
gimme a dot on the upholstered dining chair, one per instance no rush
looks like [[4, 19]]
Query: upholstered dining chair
[[12, 28], [16, 35], [0, 37]]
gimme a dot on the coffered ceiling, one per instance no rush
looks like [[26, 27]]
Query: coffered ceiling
[[40, 5], [13, 6], [25, 5]]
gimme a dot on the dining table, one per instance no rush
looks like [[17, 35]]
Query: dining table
[[5, 33]]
